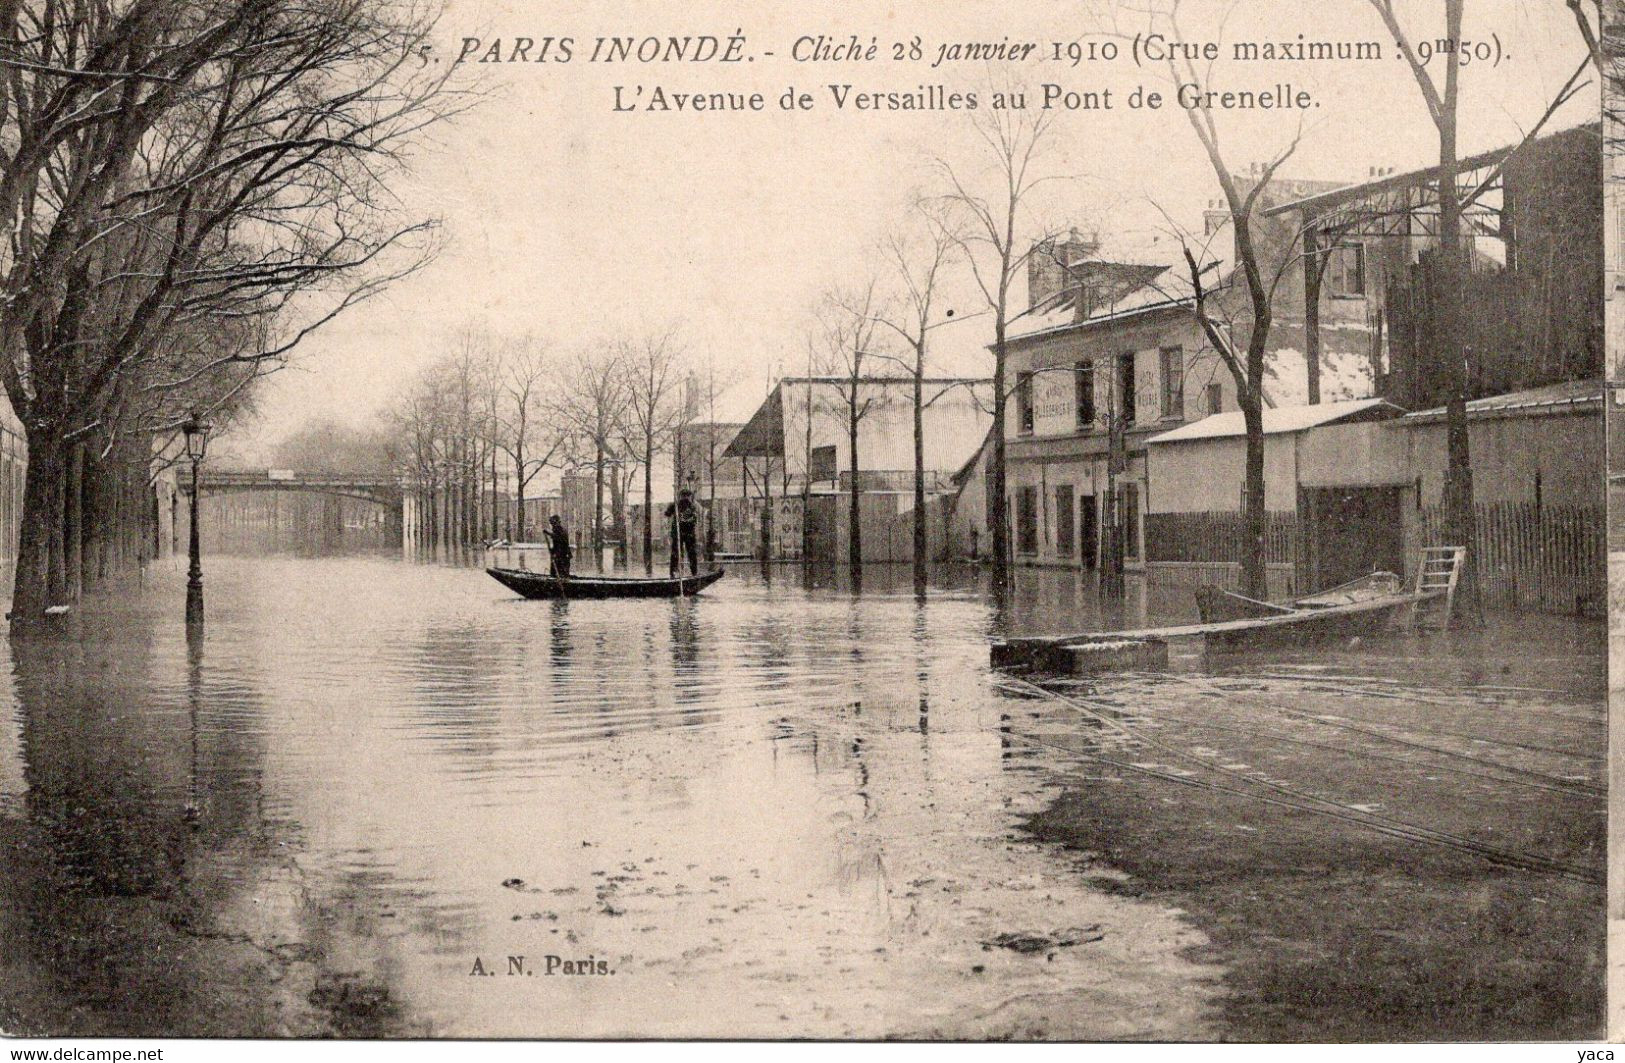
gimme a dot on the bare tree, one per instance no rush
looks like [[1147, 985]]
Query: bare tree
[[848, 323], [1442, 102], [467, 367], [1011, 139], [1589, 20], [711, 459], [919, 259], [592, 403], [531, 440], [175, 172], [419, 418], [1247, 367], [653, 367], [691, 397]]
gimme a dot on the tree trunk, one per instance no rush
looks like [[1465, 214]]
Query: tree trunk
[[598, 507], [619, 484], [1254, 583], [919, 476], [439, 517], [711, 510], [42, 478], [648, 503], [92, 516], [496, 521], [519, 495], [767, 511], [1311, 312], [56, 572], [854, 537], [1459, 519], [73, 525], [451, 513], [1111, 523], [997, 516], [471, 499]]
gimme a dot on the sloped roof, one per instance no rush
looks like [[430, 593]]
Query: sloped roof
[[1281, 420], [1161, 286], [1552, 398], [763, 434], [963, 473]]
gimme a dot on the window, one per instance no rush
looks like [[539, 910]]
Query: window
[[1027, 520], [1129, 514], [1215, 399], [1024, 403], [822, 466], [1083, 383], [1173, 381], [1063, 520], [1345, 270], [1125, 387]]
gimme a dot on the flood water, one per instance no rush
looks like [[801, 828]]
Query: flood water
[[778, 809]]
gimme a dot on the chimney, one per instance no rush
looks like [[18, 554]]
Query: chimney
[[1050, 263]]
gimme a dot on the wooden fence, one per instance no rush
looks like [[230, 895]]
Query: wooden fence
[[1543, 558], [1215, 537], [1547, 558]]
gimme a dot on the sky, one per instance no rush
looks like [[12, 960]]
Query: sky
[[563, 218]]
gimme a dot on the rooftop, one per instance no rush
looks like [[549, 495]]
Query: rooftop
[[1281, 420], [763, 435], [1552, 398], [1411, 179], [1163, 290]]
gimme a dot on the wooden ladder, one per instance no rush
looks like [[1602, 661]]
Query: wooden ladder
[[1436, 576]]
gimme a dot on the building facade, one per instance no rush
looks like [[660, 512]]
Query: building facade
[[1107, 354], [795, 453], [1355, 486]]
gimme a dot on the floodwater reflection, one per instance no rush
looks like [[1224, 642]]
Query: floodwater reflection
[[778, 809]]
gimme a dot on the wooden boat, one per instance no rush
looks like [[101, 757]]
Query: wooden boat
[[544, 585], [1229, 622], [1361, 607], [1216, 604]]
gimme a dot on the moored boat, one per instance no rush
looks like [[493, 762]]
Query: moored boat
[[544, 585], [1217, 605], [1229, 622]]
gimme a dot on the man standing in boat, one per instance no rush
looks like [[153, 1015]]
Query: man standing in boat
[[558, 546], [684, 516]]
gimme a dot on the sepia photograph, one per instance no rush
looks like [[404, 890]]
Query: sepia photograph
[[881, 521]]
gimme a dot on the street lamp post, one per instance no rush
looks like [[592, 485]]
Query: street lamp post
[[196, 434]]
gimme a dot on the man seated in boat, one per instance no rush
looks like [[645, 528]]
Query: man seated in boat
[[684, 516], [558, 546]]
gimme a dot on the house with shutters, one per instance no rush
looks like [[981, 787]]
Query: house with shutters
[[1103, 344]]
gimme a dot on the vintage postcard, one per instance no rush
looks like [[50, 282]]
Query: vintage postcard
[[880, 520]]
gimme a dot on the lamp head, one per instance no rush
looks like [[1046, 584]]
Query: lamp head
[[196, 434]]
